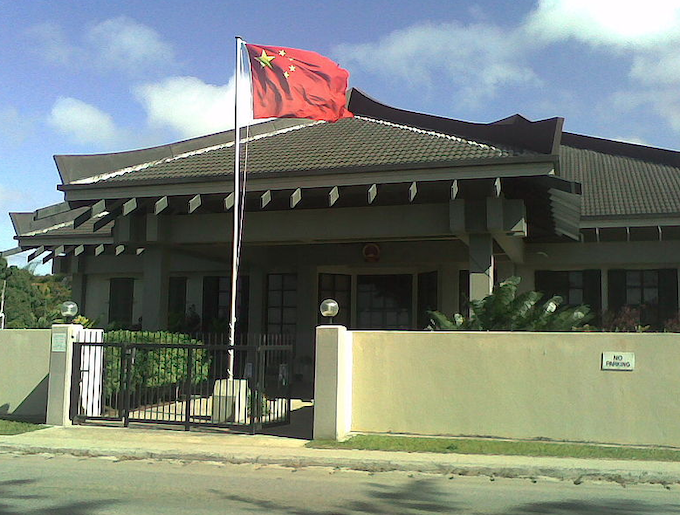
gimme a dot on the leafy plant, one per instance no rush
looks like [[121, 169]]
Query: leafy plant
[[625, 320], [154, 367], [505, 310], [32, 301]]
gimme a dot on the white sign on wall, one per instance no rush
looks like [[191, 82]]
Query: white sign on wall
[[618, 360], [59, 342]]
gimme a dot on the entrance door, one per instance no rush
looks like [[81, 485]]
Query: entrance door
[[384, 301]]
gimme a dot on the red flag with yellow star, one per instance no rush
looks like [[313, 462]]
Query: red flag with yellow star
[[292, 83]]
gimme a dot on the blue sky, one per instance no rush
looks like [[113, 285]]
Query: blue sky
[[100, 76]]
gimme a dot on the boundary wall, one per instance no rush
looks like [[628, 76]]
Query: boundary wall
[[498, 384], [24, 372]]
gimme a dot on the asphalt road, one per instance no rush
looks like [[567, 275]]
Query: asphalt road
[[64, 485]]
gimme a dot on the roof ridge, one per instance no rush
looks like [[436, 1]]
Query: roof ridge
[[141, 166]]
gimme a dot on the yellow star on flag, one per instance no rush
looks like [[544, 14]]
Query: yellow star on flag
[[282, 53], [265, 60]]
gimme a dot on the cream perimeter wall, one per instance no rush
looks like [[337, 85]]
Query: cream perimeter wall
[[518, 385], [24, 371]]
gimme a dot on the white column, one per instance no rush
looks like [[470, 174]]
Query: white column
[[61, 370], [333, 383]]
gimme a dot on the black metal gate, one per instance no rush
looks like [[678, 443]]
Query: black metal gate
[[195, 380]]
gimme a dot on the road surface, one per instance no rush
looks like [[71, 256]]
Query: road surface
[[65, 485]]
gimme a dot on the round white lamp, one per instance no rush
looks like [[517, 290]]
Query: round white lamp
[[329, 308], [69, 309]]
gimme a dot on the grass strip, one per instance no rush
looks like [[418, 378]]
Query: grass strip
[[10, 427], [498, 447]]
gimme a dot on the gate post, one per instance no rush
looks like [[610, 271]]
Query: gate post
[[61, 370], [333, 383]]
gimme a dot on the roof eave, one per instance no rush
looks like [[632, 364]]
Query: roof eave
[[551, 160]]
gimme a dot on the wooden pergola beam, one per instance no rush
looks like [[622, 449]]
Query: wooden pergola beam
[[333, 196], [295, 198]]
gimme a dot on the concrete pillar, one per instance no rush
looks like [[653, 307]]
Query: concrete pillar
[[155, 295], [61, 371], [481, 265], [333, 383]]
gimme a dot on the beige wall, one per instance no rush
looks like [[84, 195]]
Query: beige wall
[[517, 385], [24, 370]]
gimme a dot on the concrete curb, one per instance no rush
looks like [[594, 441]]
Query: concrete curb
[[373, 464]]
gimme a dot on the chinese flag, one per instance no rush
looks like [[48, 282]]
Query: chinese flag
[[292, 83]]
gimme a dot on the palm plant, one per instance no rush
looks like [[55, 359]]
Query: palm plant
[[505, 310]]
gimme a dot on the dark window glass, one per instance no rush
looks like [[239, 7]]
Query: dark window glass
[[177, 295], [427, 297], [121, 297], [281, 303], [217, 303], [384, 301], [654, 293], [464, 292], [642, 292], [339, 288], [575, 287]]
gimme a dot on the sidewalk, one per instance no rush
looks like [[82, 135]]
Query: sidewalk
[[143, 443]]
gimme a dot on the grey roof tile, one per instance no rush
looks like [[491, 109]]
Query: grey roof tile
[[353, 143], [615, 185]]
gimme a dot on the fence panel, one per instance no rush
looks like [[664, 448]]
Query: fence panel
[[195, 380]]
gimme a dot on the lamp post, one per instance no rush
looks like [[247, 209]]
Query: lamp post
[[329, 308]]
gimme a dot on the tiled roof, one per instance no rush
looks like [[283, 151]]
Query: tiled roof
[[615, 185], [349, 144]]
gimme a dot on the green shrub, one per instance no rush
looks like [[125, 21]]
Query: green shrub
[[158, 367], [504, 310]]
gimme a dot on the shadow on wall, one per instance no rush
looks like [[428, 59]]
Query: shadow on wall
[[32, 409]]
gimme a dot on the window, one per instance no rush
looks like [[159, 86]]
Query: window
[[653, 292], [384, 301], [281, 303], [177, 296], [427, 297], [217, 303], [121, 296], [575, 287], [339, 288]]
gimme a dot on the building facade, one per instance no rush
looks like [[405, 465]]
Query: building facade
[[391, 213]]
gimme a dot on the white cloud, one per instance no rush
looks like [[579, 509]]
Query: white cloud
[[125, 44], [623, 23], [657, 68], [118, 44], [188, 105], [49, 41], [477, 59], [84, 123], [14, 127]]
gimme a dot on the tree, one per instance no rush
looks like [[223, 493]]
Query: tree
[[504, 310], [32, 301]]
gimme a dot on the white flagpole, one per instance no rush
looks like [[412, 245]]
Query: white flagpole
[[236, 236]]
